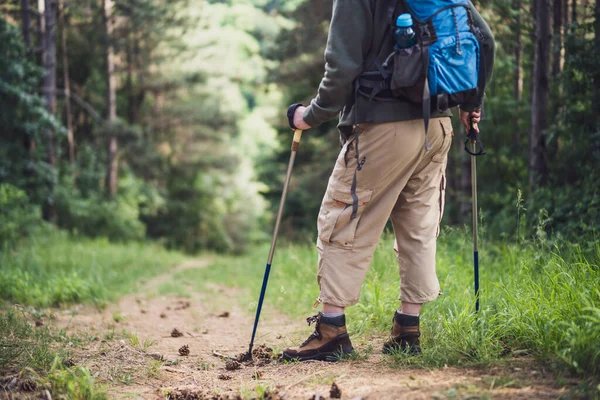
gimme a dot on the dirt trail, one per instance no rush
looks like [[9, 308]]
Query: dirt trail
[[130, 348]]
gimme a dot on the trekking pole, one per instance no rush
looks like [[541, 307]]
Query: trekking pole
[[474, 140], [295, 144]]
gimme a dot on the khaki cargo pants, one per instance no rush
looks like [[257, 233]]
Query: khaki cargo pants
[[399, 180]]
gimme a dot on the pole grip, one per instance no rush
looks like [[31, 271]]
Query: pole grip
[[297, 138]]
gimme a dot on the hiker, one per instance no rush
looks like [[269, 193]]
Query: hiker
[[392, 163]]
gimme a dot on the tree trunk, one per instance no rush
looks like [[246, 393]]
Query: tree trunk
[[538, 168], [597, 71], [26, 23], [48, 35], [26, 27], [574, 13], [518, 53], [557, 52], [111, 103], [129, 84], [597, 25], [67, 85]]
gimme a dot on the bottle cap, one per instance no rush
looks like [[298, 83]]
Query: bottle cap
[[404, 21]]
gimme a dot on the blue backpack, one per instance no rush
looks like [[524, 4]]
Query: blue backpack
[[446, 63]]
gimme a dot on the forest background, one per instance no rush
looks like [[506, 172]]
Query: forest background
[[165, 120], [131, 126]]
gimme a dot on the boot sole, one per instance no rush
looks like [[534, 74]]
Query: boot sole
[[328, 357]]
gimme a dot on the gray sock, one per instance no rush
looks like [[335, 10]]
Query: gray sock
[[333, 314]]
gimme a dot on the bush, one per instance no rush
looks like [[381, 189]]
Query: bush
[[192, 218], [91, 214], [18, 217]]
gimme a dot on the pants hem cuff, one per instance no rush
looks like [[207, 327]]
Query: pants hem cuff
[[420, 299], [338, 302]]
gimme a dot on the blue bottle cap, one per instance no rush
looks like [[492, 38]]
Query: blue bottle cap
[[404, 21]]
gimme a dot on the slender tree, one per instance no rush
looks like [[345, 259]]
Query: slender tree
[[557, 53], [596, 71], [131, 107], [518, 52], [597, 26], [66, 83], [26, 28], [26, 23], [111, 101], [48, 40], [538, 168]]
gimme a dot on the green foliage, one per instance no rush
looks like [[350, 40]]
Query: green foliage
[[93, 215], [18, 217], [571, 197], [538, 299], [75, 383], [23, 117], [191, 218], [57, 269], [203, 142]]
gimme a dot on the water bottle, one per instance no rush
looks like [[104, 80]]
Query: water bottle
[[404, 33]]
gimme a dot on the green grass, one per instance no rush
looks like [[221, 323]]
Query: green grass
[[537, 299], [58, 269], [42, 354]]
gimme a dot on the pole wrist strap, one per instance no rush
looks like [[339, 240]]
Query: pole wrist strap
[[290, 114]]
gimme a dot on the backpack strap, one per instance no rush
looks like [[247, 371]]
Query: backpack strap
[[426, 95], [391, 11], [427, 36]]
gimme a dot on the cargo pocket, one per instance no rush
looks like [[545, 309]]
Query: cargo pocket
[[446, 133], [442, 203], [334, 224]]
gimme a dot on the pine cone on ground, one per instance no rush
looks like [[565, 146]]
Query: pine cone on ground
[[232, 365], [176, 333], [184, 350]]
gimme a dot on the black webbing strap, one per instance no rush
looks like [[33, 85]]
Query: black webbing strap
[[473, 137], [391, 12], [290, 114], [356, 155], [376, 87], [426, 95]]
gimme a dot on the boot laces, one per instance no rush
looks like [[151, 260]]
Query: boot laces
[[316, 334]]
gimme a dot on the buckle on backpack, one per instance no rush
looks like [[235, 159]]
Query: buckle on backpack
[[427, 33]]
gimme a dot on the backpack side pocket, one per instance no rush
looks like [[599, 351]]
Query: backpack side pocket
[[407, 74]]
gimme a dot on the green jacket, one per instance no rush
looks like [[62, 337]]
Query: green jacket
[[356, 27]]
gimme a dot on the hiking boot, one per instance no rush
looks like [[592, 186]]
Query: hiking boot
[[405, 335], [328, 342]]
